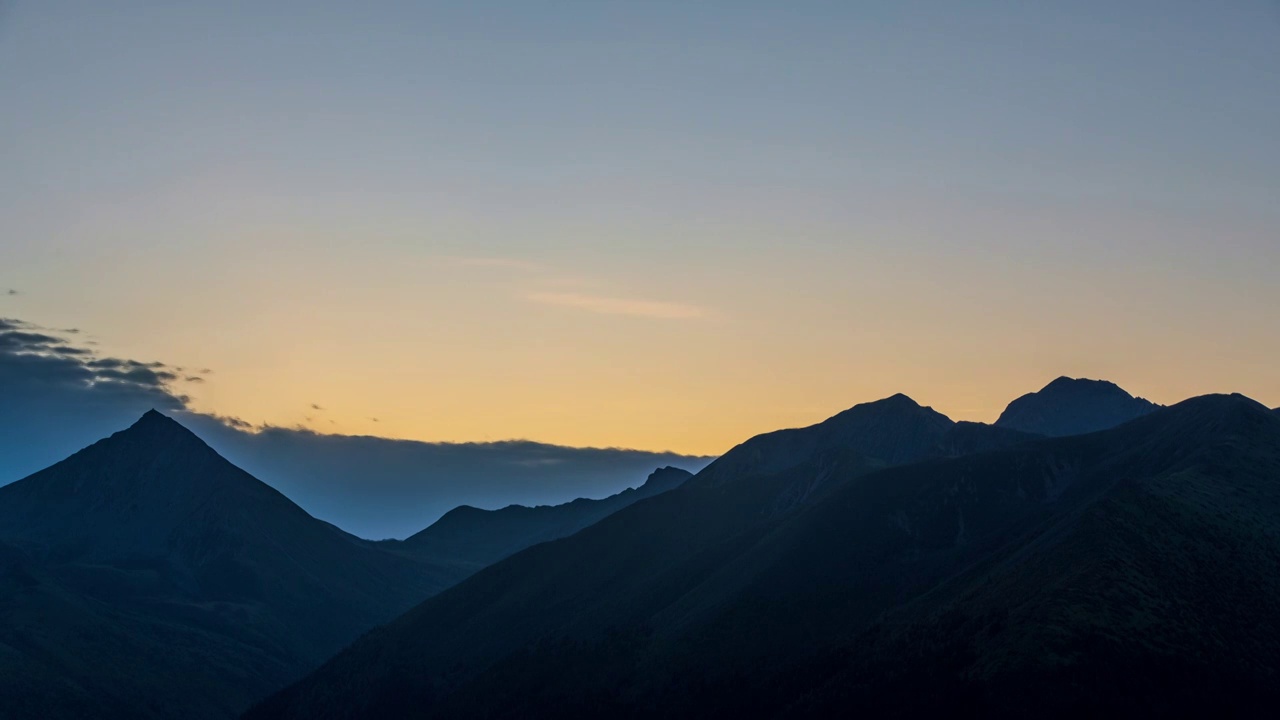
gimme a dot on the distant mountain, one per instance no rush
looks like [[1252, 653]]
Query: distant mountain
[[1069, 406], [1134, 570], [145, 576], [472, 538]]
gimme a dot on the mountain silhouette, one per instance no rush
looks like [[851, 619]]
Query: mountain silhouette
[[1134, 569], [145, 576], [1148, 591], [892, 431], [471, 538], [675, 544], [1069, 406]]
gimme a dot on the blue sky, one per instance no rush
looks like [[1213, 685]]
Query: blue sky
[[646, 224]]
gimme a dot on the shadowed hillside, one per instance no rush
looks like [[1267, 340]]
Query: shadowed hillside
[[1135, 566], [671, 559], [147, 577]]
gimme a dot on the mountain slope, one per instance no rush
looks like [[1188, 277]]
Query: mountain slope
[[1158, 598], [1069, 406], [893, 431], [669, 559], [148, 577], [472, 538], [1142, 544]]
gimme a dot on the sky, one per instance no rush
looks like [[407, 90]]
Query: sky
[[657, 225], [61, 394]]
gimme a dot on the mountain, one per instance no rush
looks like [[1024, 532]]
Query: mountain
[[471, 538], [1150, 590], [145, 576], [676, 556], [892, 431], [1135, 569], [1069, 406]]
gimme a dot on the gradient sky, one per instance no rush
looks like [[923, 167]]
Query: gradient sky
[[660, 225]]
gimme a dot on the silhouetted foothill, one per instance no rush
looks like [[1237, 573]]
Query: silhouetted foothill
[[472, 538]]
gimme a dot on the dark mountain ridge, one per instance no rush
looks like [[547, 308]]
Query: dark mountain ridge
[[145, 576], [690, 531], [893, 431], [185, 586], [883, 590], [1070, 406], [473, 538], [1155, 596]]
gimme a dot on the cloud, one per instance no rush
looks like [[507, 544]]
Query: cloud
[[56, 397], [24, 341], [569, 293], [234, 423], [622, 306], [32, 354], [379, 488]]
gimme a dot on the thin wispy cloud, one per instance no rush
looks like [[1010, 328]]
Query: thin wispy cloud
[[567, 291], [622, 306]]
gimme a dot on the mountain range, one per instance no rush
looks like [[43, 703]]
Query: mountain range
[[819, 573], [1090, 552], [146, 576]]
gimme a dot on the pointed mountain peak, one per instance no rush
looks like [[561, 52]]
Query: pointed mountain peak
[[154, 417], [892, 431], [898, 399], [896, 402], [156, 424], [897, 405], [1073, 406], [129, 492]]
